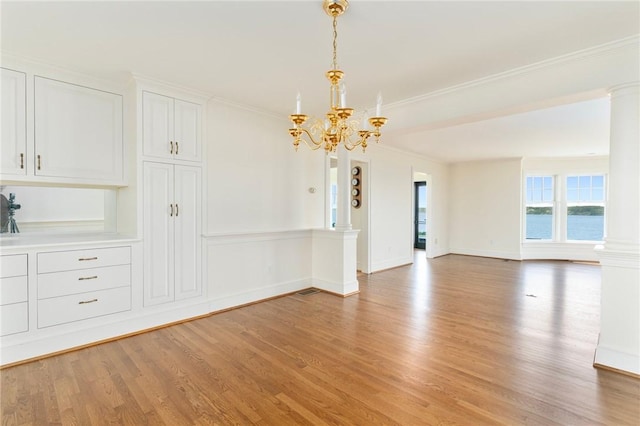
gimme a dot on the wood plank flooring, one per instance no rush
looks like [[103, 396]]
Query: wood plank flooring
[[453, 340]]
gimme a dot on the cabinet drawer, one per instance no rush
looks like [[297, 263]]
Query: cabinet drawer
[[60, 310], [56, 284], [14, 318], [13, 290], [81, 259], [11, 266]]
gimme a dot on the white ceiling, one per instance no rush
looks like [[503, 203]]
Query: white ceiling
[[259, 53]]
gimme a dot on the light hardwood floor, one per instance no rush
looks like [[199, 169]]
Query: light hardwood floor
[[453, 340]]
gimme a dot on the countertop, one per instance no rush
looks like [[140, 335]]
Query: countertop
[[40, 240]]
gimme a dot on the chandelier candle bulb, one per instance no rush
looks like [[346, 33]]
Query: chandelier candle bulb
[[298, 104], [343, 95], [379, 105]]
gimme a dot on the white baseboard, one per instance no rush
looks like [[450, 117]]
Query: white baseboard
[[499, 254], [68, 336], [258, 294], [390, 263], [610, 358], [337, 287]]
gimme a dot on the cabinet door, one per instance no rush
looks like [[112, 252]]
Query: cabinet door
[[157, 126], [158, 228], [78, 132], [187, 130], [13, 146], [187, 231]]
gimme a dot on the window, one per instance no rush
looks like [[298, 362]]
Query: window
[[565, 207], [585, 208], [539, 208]]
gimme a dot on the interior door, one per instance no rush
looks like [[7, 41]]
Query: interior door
[[420, 215]]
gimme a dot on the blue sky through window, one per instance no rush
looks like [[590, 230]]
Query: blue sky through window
[[582, 189], [539, 189]]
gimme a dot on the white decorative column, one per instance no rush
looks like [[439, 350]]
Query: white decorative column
[[619, 343], [343, 213]]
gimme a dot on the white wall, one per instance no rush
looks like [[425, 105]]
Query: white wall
[[256, 181], [259, 207], [391, 180], [485, 215]]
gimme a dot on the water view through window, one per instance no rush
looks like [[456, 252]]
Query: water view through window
[[585, 205]]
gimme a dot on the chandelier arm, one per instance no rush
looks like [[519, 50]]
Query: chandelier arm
[[314, 145]]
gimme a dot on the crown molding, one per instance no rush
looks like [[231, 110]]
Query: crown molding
[[247, 107], [171, 87], [51, 70], [594, 51]]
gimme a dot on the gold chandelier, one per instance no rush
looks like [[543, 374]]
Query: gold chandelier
[[337, 128]]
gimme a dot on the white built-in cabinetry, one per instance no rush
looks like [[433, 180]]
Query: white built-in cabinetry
[[74, 285], [13, 149], [172, 198], [78, 132], [14, 289], [55, 132], [171, 128]]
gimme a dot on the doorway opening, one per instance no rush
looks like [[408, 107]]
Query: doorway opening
[[420, 215]]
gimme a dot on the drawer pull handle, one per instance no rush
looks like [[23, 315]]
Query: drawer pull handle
[[39, 162], [84, 302], [22, 160], [177, 147], [82, 259], [88, 278], [171, 151]]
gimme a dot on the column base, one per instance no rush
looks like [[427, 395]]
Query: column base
[[334, 261], [619, 343]]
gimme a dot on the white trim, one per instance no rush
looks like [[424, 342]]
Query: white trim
[[559, 250], [527, 69], [499, 254], [336, 287], [619, 360], [258, 294], [391, 263], [619, 255], [242, 237], [87, 332]]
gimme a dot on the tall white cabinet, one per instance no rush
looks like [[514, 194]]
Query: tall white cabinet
[[172, 198], [172, 206]]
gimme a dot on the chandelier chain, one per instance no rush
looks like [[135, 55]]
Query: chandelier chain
[[335, 43]]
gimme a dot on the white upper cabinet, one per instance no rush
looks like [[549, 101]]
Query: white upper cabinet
[[170, 128], [78, 132], [13, 146]]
